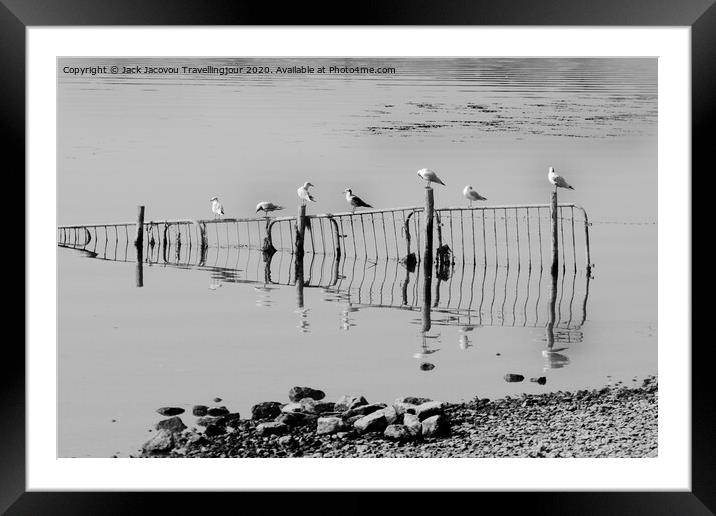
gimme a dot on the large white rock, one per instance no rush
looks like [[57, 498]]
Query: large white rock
[[429, 409], [436, 426], [162, 442], [330, 425], [347, 402], [373, 422], [412, 423]]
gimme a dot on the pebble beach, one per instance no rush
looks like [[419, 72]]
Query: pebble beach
[[614, 421]]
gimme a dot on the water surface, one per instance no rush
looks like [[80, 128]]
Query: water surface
[[201, 328]]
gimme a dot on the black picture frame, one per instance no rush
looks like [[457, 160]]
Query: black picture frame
[[700, 15]]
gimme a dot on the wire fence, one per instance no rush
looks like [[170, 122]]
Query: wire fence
[[495, 235]]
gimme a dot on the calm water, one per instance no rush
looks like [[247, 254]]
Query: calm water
[[229, 325]]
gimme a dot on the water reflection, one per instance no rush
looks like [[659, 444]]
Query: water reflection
[[467, 296]]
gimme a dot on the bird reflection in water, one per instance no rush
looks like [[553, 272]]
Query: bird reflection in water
[[426, 350], [263, 298], [463, 339], [346, 321]]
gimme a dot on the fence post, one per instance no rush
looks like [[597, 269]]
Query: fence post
[[139, 240], [410, 259], [337, 237], [428, 257], [586, 241], [300, 231], [267, 246], [298, 242], [555, 242]]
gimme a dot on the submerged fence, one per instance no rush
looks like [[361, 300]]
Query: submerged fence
[[514, 235], [503, 249]]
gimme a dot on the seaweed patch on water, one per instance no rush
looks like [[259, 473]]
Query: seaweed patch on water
[[422, 127]]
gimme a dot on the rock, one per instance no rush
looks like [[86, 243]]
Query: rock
[[173, 424], [217, 400], [199, 410], [363, 410], [231, 420], [170, 411], [436, 426], [162, 442], [330, 425], [298, 393], [429, 409], [296, 418], [266, 410], [217, 411], [412, 400], [392, 416], [324, 406], [346, 402], [405, 408], [398, 433], [292, 407], [308, 405], [285, 440], [426, 366], [412, 423], [212, 430], [351, 420], [510, 377], [205, 421], [541, 380], [272, 428], [373, 422], [196, 439]]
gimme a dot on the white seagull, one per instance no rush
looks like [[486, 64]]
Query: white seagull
[[557, 180], [355, 201], [429, 176], [216, 207], [304, 194], [472, 195], [267, 207]]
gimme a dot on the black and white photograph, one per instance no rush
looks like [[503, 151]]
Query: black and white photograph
[[424, 257]]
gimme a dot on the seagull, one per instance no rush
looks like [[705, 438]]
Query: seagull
[[267, 207], [216, 207], [429, 176], [472, 195], [557, 180], [304, 194], [355, 201]]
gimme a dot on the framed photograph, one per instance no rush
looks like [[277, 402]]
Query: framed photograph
[[441, 250]]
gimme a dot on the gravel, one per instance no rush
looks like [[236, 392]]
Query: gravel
[[615, 421]]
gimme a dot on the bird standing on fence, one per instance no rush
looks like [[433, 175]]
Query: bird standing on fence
[[472, 195], [267, 207], [355, 201], [429, 176], [216, 207], [304, 194], [557, 180]]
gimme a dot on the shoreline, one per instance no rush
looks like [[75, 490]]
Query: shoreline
[[614, 421]]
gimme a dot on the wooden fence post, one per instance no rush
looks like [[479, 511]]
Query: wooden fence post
[[428, 258], [139, 240], [337, 237], [300, 232], [298, 251], [268, 246], [410, 260], [555, 241]]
